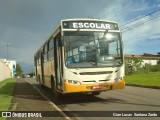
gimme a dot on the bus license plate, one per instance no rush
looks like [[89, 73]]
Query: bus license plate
[[97, 87]]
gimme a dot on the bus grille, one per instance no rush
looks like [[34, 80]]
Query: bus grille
[[95, 73], [91, 81]]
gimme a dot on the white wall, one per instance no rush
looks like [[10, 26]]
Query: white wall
[[151, 62], [10, 64], [5, 71]]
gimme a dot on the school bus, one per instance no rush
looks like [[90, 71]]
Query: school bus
[[81, 55]]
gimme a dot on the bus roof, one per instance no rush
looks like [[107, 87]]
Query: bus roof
[[88, 19]]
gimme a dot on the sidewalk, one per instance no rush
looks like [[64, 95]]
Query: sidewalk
[[26, 98]]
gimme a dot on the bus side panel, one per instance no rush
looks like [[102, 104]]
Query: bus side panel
[[38, 67], [48, 72]]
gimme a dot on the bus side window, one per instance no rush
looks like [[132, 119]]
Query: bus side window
[[51, 50], [45, 52], [39, 57]]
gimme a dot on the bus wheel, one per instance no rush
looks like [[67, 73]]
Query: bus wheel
[[96, 93]]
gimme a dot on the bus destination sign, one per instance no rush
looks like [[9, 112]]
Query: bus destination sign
[[89, 25]]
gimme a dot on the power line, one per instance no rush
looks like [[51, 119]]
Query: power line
[[140, 18], [137, 25], [142, 23]]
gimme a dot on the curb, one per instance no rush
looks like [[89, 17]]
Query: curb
[[144, 86]]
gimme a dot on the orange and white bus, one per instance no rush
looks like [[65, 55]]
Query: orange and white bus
[[81, 55]]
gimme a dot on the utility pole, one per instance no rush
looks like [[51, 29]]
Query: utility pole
[[7, 46]]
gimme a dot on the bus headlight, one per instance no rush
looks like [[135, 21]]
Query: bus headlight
[[73, 82], [119, 78]]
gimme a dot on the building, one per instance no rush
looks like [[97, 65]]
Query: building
[[11, 64], [146, 58], [5, 71]]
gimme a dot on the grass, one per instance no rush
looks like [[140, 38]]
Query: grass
[[6, 90], [151, 79]]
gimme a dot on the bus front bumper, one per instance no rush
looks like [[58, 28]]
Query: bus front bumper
[[70, 88]]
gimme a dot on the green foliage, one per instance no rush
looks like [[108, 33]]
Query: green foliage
[[134, 65], [6, 90], [146, 68], [150, 68], [31, 74], [155, 68], [151, 79], [19, 70]]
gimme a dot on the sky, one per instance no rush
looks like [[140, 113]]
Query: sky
[[26, 24]]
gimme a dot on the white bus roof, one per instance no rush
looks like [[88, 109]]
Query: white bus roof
[[87, 19]]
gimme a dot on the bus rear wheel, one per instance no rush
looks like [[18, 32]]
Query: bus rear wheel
[[96, 93]]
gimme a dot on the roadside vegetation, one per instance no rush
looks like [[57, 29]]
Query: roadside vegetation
[[137, 73], [149, 79], [6, 91]]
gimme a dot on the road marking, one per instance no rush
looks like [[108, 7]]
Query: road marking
[[51, 103], [13, 106]]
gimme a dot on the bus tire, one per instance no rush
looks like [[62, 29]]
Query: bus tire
[[96, 93]]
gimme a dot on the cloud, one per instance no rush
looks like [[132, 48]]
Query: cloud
[[143, 33], [26, 24], [123, 12]]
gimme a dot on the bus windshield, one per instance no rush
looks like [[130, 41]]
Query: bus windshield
[[92, 49]]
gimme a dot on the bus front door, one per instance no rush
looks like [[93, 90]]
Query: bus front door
[[58, 63]]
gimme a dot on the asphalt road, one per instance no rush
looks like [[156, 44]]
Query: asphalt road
[[128, 99]]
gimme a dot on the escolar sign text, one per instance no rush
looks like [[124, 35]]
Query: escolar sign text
[[90, 25]]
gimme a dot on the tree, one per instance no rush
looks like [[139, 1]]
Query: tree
[[137, 63], [31, 74], [133, 65], [19, 70]]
